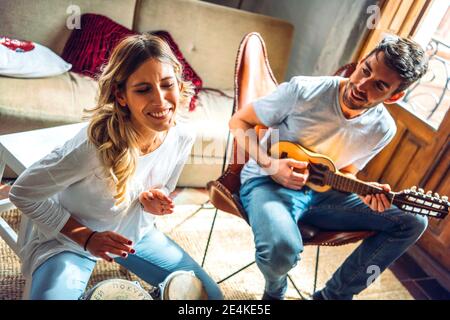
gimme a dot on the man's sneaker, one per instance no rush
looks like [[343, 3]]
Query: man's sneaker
[[268, 297], [318, 296]]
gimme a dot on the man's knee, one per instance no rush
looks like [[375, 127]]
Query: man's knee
[[413, 225], [281, 255], [418, 225]]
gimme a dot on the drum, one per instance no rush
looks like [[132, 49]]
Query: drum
[[182, 285], [116, 289]]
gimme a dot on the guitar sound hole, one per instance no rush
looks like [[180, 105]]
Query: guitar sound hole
[[317, 181]]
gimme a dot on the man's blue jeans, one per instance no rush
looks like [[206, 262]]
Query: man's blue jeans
[[66, 275], [274, 211]]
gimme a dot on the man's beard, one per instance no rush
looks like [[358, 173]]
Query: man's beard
[[348, 103]]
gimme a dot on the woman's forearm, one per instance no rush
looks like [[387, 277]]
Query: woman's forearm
[[76, 231]]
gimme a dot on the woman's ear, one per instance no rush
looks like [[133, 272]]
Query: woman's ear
[[395, 97], [120, 97]]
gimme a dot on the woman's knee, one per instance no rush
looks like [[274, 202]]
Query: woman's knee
[[61, 277]]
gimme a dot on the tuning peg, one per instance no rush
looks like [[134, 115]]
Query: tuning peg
[[429, 193], [445, 198], [413, 188], [436, 195], [421, 190]]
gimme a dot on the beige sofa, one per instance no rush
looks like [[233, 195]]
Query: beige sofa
[[208, 36]]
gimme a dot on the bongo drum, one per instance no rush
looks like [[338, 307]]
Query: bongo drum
[[182, 285], [116, 289]]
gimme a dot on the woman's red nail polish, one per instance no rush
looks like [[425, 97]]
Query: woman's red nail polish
[[133, 251], [124, 254], [130, 242]]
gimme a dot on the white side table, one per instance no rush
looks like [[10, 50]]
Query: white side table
[[18, 151]]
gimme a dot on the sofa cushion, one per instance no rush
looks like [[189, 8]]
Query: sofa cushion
[[210, 120], [50, 22], [89, 48], [37, 103], [209, 35]]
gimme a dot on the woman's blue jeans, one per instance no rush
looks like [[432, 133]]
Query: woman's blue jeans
[[274, 212], [66, 275]]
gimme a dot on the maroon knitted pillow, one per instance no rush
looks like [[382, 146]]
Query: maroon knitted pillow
[[88, 48], [188, 73]]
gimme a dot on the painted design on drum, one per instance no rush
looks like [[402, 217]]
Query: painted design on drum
[[117, 289]]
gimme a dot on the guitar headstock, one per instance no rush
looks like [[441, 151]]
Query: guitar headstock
[[415, 200]]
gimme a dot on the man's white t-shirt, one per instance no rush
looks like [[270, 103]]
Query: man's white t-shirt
[[306, 110]]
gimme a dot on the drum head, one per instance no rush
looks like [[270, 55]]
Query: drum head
[[183, 285], [117, 289]]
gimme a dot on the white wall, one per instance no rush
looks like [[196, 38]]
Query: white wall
[[327, 32]]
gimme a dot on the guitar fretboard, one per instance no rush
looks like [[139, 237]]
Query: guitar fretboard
[[346, 184]]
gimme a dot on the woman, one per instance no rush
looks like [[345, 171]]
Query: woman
[[96, 196]]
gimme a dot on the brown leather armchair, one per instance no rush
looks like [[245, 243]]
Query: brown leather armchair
[[253, 79]]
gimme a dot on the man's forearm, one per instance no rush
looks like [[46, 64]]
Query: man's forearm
[[247, 139]]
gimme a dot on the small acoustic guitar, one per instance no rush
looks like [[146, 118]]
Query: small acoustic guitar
[[323, 176]]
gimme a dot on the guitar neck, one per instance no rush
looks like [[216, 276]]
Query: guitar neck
[[413, 203], [346, 184], [322, 176]]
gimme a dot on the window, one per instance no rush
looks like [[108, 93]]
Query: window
[[429, 98]]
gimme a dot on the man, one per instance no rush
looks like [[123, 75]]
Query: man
[[346, 120]]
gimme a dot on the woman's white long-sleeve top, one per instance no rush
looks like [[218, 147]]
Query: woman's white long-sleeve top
[[71, 182]]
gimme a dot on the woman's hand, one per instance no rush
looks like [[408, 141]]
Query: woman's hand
[[290, 173], [156, 202], [102, 243], [377, 202]]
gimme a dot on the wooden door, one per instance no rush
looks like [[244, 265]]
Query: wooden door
[[419, 154]]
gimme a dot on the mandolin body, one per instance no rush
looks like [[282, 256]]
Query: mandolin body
[[286, 149]]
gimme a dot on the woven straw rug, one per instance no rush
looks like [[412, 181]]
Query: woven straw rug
[[231, 248]]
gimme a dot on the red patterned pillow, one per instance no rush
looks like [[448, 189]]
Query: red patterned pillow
[[188, 73], [88, 48]]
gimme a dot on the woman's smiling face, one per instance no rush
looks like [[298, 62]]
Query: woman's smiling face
[[152, 95]]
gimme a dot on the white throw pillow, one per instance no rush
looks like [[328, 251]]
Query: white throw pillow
[[25, 59]]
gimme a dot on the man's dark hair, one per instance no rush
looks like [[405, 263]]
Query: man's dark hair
[[404, 56]]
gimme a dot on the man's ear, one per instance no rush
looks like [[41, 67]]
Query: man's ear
[[395, 97], [120, 97]]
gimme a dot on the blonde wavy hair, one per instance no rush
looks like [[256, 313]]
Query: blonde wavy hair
[[110, 128]]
